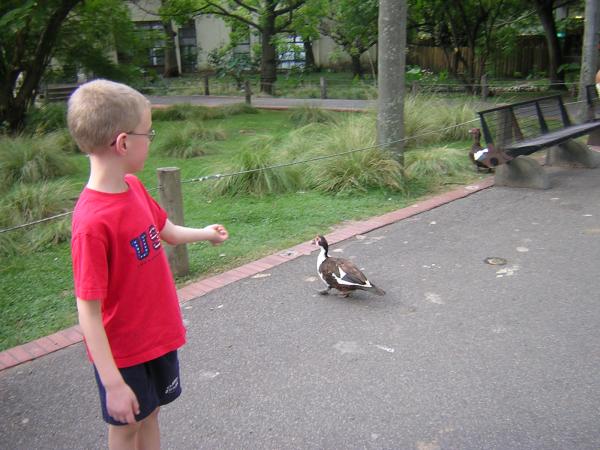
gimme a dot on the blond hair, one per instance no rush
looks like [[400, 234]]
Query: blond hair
[[100, 110]]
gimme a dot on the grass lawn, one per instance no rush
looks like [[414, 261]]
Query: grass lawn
[[36, 296]]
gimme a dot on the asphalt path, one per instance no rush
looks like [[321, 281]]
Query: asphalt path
[[459, 354]]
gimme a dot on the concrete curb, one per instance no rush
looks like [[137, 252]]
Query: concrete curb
[[73, 335]]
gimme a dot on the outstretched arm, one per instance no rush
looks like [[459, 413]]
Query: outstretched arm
[[177, 234], [121, 402]]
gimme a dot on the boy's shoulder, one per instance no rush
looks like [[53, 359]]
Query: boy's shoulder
[[92, 205], [99, 211]]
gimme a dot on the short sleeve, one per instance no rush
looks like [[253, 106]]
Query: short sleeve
[[90, 267], [158, 213]]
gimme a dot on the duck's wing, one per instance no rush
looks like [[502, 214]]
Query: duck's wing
[[326, 271], [348, 274]]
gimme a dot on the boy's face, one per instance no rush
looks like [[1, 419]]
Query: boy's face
[[138, 143]]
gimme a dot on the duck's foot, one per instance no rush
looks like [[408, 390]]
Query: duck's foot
[[324, 292], [344, 294]]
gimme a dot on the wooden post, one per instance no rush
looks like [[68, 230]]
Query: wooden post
[[485, 90], [206, 88], [248, 92], [169, 181], [323, 83]]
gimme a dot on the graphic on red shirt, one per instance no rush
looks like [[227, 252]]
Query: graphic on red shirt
[[140, 244]]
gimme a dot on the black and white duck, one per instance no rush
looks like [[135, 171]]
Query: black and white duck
[[340, 273], [477, 152]]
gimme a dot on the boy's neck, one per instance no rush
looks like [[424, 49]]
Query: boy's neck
[[106, 177]]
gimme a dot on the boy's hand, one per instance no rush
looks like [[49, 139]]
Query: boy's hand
[[220, 233], [121, 403]]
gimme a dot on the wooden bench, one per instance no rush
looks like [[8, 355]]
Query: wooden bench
[[514, 131], [57, 92]]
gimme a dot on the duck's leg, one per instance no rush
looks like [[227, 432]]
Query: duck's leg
[[324, 291]]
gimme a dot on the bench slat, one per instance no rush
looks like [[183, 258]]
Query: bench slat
[[530, 146]]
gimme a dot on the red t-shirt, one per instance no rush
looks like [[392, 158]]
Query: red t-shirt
[[118, 259]]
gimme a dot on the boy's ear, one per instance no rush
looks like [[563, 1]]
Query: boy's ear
[[121, 143]]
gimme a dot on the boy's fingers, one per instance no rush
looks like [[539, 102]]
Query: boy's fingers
[[130, 418]]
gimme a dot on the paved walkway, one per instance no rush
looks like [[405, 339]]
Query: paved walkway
[[458, 354]]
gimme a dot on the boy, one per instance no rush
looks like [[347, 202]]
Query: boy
[[126, 299]]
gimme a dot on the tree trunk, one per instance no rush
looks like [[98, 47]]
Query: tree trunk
[[309, 55], [171, 69], [391, 67], [589, 55], [357, 70], [31, 66], [268, 59], [545, 12]]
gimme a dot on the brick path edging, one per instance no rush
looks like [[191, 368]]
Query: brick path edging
[[73, 335]]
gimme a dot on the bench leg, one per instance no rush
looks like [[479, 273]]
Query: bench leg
[[594, 138], [572, 154], [523, 172]]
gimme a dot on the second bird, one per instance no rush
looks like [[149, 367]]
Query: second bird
[[340, 273]]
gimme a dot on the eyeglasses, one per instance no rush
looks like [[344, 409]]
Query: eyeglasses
[[150, 136]]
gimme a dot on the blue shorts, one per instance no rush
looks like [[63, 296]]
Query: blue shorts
[[155, 383]]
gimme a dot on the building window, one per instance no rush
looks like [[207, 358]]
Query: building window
[[292, 56], [156, 51], [188, 47]]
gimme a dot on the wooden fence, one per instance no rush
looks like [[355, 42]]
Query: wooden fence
[[530, 55]]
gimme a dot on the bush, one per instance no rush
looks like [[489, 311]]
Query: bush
[[360, 171], [368, 167], [30, 202], [429, 120], [238, 108], [47, 118], [259, 180], [187, 141], [436, 163], [29, 160], [307, 114], [187, 111]]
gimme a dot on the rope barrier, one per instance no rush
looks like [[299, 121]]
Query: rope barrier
[[319, 158], [46, 219], [276, 166]]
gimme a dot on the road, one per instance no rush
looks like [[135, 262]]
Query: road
[[459, 354]]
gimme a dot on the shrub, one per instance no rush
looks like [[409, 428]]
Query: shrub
[[368, 167], [30, 202], [238, 108], [186, 111], [308, 114], [29, 160], [47, 118], [429, 120], [62, 140], [187, 141], [258, 179], [435, 163], [360, 171]]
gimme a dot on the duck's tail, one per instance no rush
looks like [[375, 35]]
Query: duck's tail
[[376, 290]]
